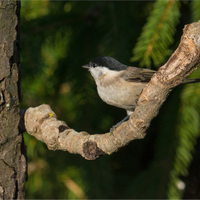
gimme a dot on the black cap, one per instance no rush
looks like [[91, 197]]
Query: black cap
[[108, 62]]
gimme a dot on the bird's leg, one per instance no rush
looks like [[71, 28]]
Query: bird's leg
[[119, 123]]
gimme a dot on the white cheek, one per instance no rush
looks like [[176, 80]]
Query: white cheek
[[93, 73], [96, 73]]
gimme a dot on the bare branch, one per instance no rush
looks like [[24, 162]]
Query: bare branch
[[42, 122]]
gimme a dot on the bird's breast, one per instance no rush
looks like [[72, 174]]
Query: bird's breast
[[119, 93]]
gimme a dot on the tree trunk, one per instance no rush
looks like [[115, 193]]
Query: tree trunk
[[12, 149]]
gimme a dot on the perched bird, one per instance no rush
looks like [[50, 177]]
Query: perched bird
[[118, 84]]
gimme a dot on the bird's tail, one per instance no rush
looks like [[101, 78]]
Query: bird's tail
[[196, 80]]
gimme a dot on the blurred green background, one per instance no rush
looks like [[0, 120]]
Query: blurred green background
[[57, 38]]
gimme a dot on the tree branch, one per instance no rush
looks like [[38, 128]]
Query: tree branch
[[42, 122]]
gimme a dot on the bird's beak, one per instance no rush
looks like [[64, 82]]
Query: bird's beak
[[86, 66]]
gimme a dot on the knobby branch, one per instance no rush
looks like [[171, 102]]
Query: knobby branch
[[42, 122]]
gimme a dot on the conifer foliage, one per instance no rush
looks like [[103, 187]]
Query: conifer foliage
[[157, 34]]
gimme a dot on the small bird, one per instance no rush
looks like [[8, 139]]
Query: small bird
[[120, 85]]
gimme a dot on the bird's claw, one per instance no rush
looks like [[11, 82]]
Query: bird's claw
[[113, 128], [136, 100], [119, 123]]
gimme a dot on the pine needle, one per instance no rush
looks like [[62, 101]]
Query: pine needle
[[157, 35]]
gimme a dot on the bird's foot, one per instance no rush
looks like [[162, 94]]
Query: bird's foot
[[119, 123], [136, 100]]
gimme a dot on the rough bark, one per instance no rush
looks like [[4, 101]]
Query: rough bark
[[12, 158], [43, 124]]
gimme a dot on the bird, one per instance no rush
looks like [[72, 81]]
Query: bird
[[120, 85]]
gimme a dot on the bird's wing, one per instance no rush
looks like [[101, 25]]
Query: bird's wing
[[132, 74]]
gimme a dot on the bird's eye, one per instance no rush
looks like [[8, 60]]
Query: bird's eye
[[94, 65]]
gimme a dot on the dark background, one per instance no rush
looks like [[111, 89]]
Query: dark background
[[57, 38]]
